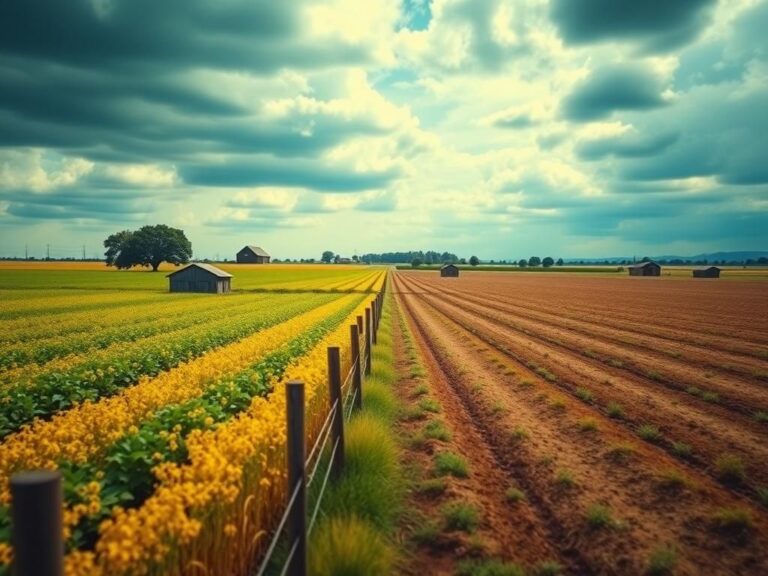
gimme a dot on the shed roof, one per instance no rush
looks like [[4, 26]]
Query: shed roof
[[707, 268], [256, 250], [207, 267], [644, 264], [444, 266]]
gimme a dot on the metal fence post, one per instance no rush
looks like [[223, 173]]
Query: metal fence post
[[337, 425], [297, 521], [368, 341], [36, 516], [354, 336]]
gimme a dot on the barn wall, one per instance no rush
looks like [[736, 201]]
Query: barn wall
[[194, 280]]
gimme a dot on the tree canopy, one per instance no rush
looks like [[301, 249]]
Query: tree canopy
[[327, 257], [474, 260], [147, 246], [547, 262]]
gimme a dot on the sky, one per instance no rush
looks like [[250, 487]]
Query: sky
[[504, 129]]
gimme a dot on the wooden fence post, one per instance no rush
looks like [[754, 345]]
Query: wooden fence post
[[36, 517], [368, 342], [374, 319], [297, 520], [357, 377], [337, 424]]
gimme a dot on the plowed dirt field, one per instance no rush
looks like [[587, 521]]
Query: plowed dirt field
[[631, 412]]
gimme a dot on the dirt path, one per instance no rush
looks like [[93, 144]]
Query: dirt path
[[570, 459]]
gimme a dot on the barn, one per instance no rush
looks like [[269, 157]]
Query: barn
[[709, 272], [253, 255], [449, 271], [200, 278], [645, 269]]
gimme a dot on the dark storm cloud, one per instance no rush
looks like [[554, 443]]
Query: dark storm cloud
[[722, 134], [633, 146], [296, 173], [613, 88], [67, 203], [657, 25], [515, 121]]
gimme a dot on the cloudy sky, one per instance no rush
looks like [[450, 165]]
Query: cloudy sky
[[489, 127]]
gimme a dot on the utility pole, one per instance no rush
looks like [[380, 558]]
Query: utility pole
[[26, 251], [47, 251], [83, 251]]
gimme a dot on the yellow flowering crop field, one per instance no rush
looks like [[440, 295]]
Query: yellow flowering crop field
[[163, 412]]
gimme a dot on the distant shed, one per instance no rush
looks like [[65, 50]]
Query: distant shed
[[200, 278], [449, 271], [645, 269], [253, 255], [709, 272]]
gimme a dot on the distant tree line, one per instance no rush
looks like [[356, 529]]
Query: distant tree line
[[428, 258]]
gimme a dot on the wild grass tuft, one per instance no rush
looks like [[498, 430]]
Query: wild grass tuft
[[662, 561], [429, 405], [451, 464], [372, 484], [558, 404], [436, 430], [564, 478], [587, 425], [730, 469], [672, 479], [585, 395], [649, 432], [514, 495], [762, 495], [621, 452], [489, 567], [599, 516], [421, 390], [733, 521], [614, 410], [427, 534], [682, 449], [378, 399], [762, 416], [519, 434], [349, 546], [461, 516], [432, 486]]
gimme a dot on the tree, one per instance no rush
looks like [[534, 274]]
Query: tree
[[547, 262], [416, 262], [474, 261], [327, 257], [534, 261], [559, 262], [355, 258], [147, 246], [523, 263]]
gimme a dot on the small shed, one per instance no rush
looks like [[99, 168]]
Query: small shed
[[199, 277], [449, 271], [708, 272], [645, 269], [253, 255]]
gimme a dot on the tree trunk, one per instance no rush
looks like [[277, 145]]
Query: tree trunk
[[155, 266]]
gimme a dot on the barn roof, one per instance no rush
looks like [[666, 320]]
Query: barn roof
[[644, 264], [444, 266], [256, 250], [207, 267], [707, 268]]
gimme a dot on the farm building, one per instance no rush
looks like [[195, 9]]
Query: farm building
[[252, 255], [200, 278], [709, 272], [645, 269], [449, 271]]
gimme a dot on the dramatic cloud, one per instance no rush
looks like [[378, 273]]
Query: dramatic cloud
[[611, 89], [656, 24]]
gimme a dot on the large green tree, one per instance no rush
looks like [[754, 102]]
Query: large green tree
[[147, 246]]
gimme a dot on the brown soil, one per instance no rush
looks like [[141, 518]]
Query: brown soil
[[507, 370]]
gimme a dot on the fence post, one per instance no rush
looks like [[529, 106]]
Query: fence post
[[368, 350], [337, 425], [374, 319], [354, 336], [297, 520], [36, 516]]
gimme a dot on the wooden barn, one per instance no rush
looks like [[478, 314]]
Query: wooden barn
[[253, 255], [645, 269], [200, 278], [449, 271], [709, 272]]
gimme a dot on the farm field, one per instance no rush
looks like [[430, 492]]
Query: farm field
[[157, 405], [599, 425]]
